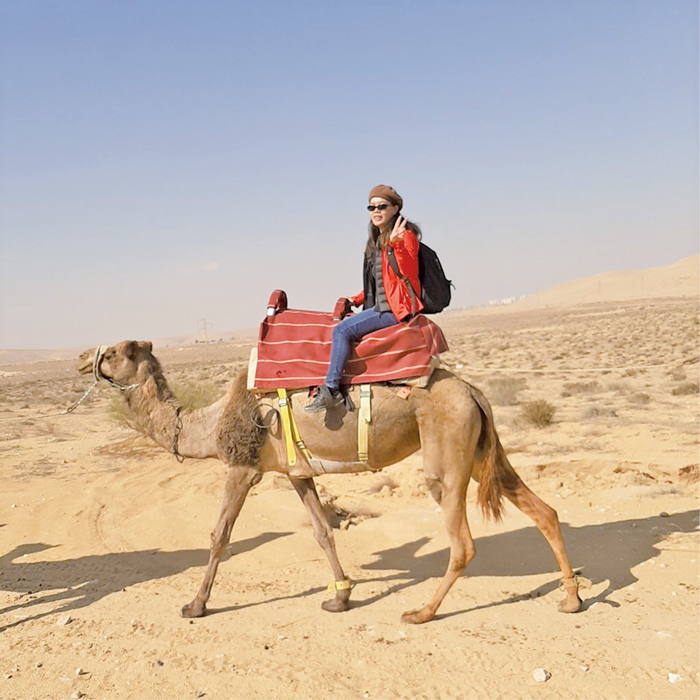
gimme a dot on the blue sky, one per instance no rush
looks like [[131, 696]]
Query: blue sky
[[164, 161]]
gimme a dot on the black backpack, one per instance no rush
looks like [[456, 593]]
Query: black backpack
[[435, 288]]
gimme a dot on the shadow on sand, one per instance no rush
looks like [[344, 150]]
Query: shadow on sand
[[76, 583], [605, 551]]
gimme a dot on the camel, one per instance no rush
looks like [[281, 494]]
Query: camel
[[450, 420]]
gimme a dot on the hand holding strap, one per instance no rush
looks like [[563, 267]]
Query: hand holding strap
[[342, 309]]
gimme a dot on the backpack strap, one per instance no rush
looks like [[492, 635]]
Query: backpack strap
[[395, 267]]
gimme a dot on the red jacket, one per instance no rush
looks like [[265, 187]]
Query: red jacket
[[397, 294]]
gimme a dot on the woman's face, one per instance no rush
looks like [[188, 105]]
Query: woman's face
[[381, 216]]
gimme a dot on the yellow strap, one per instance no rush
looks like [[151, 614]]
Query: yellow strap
[[286, 415], [344, 585], [364, 418], [291, 431]]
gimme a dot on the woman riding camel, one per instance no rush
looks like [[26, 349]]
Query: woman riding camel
[[385, 298]]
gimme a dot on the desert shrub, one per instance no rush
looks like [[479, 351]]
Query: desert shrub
[[120, 413], [574, 388], [539, 413], [685, 389], [640, 398], [678, 374], [503, 391], [190, 394], [595, 411], [195, 394]]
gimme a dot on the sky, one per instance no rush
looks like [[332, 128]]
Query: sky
[[168, 161]]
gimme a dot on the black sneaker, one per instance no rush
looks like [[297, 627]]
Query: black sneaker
[[325, 399]]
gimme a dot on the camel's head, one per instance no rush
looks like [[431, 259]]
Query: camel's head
[[118, 364]]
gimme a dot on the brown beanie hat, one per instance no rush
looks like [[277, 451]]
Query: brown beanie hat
[[388, 193]]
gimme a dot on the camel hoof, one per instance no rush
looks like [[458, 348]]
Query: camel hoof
[[417, 617], [570, 605], [335, 605], [193, 609]]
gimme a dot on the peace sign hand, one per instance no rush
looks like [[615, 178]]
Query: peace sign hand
[[399, 230]]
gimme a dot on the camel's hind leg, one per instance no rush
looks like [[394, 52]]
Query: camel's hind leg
[[547, 522], [448, 461], [238, 483], [452, 499], [324, 536]]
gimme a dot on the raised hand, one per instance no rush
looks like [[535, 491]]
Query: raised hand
[[399, 230]]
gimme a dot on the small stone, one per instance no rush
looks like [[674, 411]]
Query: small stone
[[63, 620], [159, 662], [541, 675], [585, 668], [77, 694], [8, 676], [39, 664], [664, 514], [80, 672], [199, 694], [674, 678]]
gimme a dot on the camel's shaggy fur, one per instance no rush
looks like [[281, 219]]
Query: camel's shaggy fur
[[240, 434]]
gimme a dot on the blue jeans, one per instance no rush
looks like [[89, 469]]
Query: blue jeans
[[350, 331]]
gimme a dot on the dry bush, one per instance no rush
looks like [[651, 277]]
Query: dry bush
[[678, 374], [503, 391], [121, 414], [640, 398], [539, 413], [574, 388], [685, 389], [595, 411], [190, 394], [195, 394]]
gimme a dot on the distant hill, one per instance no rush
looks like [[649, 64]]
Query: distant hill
[[682, 279]]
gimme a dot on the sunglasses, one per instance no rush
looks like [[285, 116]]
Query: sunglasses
[[380, 207]]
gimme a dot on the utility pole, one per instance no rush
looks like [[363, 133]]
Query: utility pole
[[202, 326]]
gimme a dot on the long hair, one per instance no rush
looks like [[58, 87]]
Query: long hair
[[377, 239]]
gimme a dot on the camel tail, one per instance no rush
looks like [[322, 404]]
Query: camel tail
[[495, 473]]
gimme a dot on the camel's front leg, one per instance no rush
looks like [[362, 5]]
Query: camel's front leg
[[324, 536], [238, 483]]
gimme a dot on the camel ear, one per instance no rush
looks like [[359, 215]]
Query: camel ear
[[130, 349], [147, 346]]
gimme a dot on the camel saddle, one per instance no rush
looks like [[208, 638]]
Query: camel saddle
[[294, 349]]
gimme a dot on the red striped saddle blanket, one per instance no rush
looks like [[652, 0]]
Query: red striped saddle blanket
[[294, 349]]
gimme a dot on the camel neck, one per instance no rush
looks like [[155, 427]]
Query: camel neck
[[182, 432]]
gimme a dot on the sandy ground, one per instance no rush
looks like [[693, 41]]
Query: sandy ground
[[103, 537]]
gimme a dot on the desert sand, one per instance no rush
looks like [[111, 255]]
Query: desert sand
[[103, 536]]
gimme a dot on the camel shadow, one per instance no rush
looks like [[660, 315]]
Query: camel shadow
[[605, 551], [71, 584]]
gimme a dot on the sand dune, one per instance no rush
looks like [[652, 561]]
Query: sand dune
[[682, 279]]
